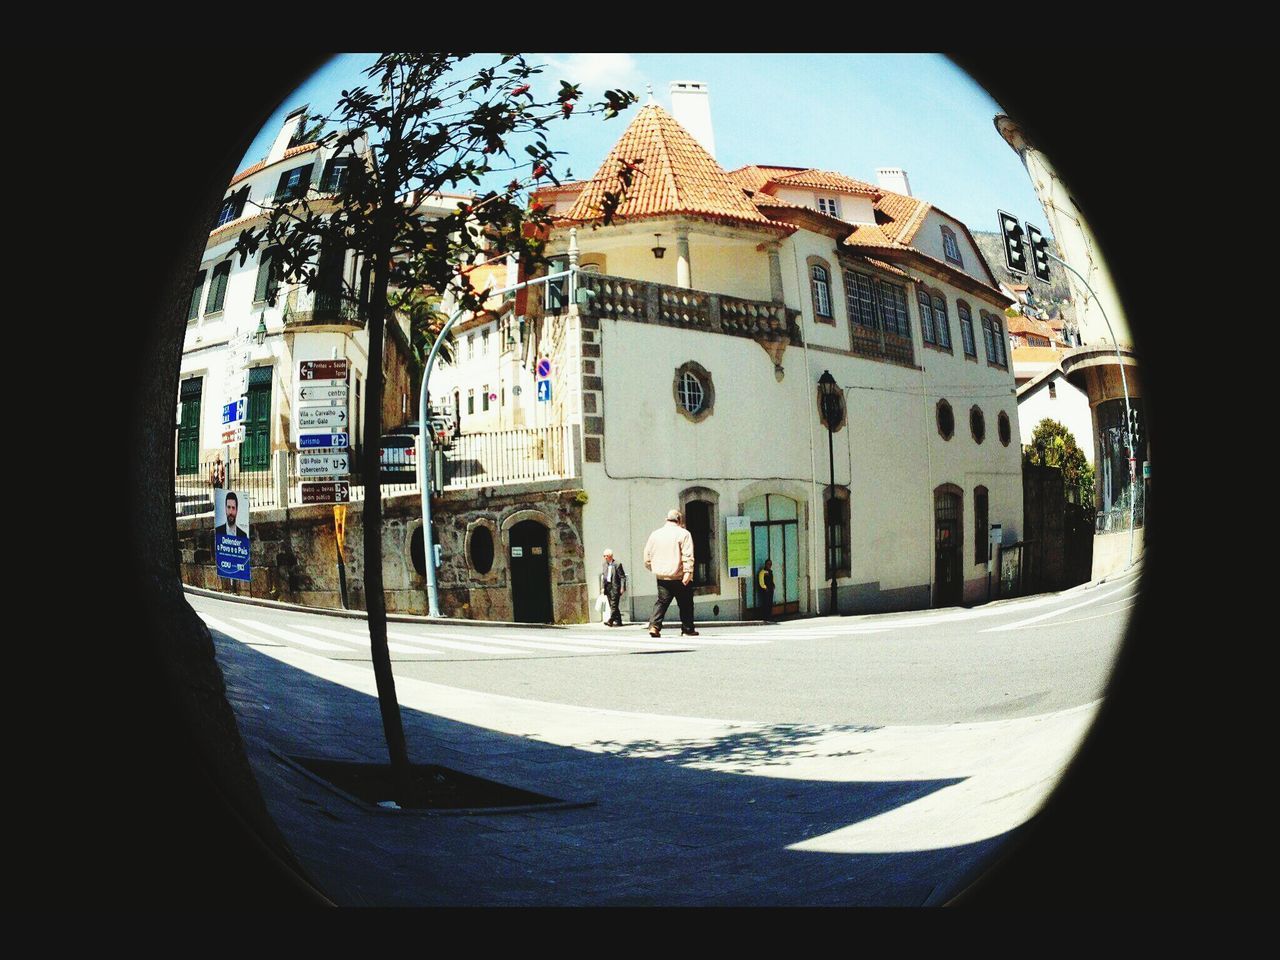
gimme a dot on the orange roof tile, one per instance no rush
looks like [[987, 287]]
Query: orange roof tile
[[754, 176], [262, 164], [675, 175], [828, 180], [1035, 355]]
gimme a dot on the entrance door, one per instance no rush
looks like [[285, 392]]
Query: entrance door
[[189, 429], [948, 580], [255, 452], [775, 535], [530, 573]]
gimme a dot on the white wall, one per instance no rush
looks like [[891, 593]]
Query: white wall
[[1070, 408]]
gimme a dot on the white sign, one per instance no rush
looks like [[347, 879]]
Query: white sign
[[236, 382], [323, 465], [232, 433], [312, 417], [324, 383], [311, 394]]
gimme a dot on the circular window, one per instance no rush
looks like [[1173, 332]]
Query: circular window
[[481, 550], [693, 391], [1002, 427], [946, 420], [977, 424]]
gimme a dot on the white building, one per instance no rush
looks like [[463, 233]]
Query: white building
[[691, 354]]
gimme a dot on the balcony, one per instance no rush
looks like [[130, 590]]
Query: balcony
[[618, 298], [320, 308]]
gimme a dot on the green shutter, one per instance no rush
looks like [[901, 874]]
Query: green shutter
[[265, 288], [189, 428], [193, 310], [255, 452]]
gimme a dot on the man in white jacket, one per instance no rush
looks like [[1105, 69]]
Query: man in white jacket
[[669, 554]]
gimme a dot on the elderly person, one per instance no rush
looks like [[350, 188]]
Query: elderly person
[[669, 554], [613, 584]]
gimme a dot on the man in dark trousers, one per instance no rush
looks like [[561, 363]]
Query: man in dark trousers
[[613, 584], [669, 554], [764, 581]]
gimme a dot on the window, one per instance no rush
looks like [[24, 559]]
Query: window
[[1003, 429], [484, 398], [335, 174], [471, 346], [218, 287], [925, 303], [893, 303], [694, 392], [946, 420], [820, 279], [294, 183], [977, 424], [268, 276], [471, 401], [860, 299], [480, 549], [197, 288], [830, 206], [484, 343], [556, 291], [988, 338], [951, 249], [233, 207], [981, 535], [1053, 390], [994, 337], [942, 323], [697, 520], [837, 528], [966, 329]]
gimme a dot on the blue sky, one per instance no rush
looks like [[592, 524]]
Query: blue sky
[[846, 112]]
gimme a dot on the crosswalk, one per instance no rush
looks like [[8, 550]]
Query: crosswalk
[[341, 640]]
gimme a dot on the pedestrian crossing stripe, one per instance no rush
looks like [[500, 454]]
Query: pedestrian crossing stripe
[[290, 635]]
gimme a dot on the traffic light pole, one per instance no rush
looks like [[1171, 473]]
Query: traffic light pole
[[424, 424], [1124, 383]]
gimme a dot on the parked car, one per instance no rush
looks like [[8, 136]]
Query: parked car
[[398, 454]]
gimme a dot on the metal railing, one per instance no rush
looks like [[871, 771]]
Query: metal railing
[[303, 307], [509, 456], [193, 492]]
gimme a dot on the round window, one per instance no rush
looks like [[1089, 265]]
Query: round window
[[1002, 427], [692, 395], [977, 424], [481, 550], [946, 420]]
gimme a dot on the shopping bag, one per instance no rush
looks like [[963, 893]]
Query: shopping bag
[[602, 604]]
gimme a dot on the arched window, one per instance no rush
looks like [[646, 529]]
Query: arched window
[[966, 329], [941, 322], [925, 302], [820, 287]]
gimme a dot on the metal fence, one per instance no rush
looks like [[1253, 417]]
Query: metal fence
[[193, 492], [509, 456]]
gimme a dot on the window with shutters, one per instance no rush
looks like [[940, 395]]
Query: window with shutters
[[294, 183], [218, 287], [197, 288], [255, 451], [189, 427], [268, 284]]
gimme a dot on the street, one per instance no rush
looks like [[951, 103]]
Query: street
[[924, 738]]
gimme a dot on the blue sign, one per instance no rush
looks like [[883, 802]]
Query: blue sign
[[544, 390], [544, 367], [337, 441], [232, 556], [233, 412]]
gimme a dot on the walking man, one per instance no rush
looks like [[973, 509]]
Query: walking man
[[669, 554], [764, 581], [613, 584]]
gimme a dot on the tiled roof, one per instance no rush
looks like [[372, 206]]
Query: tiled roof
[[870, 235], [676, 175], [828, 180], [754, 176], [900, 216], [1035, 355], [1040, 328], [262, 164]]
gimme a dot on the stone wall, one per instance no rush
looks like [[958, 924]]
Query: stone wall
[[294, 552]]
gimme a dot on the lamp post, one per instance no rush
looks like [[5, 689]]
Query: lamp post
[[830, 392]]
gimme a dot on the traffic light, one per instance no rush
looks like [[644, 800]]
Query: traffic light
[[1015, 256], [1039, 253]]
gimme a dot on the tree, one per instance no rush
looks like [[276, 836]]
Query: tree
[[1053, 445], [428, 123]]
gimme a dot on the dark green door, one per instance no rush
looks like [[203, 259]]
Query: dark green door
[[189, 428], [255, 452]]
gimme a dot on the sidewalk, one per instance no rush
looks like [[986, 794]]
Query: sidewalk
[[679, 811]]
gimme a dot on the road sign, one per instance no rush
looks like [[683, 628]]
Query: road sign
[[311, 417], [312, 370], [232, 433], [544, 390], [236, 382], [326, 491], [233, 412], [323, 465], [332, 441], [309, 393], [312, 384], [544, 367]]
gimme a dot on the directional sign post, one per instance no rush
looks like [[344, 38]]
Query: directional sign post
[[324, 465], [328, 441], [326, 491], [324, 394], [311, 418], [233, 412], [312, 370], [232, 433]]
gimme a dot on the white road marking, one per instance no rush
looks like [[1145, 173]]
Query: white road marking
[[230, 631], [469, 647], [363, 640], [1017, 624], [291, 636], [1096, 616]]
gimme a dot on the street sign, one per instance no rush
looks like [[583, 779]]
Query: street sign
[[236, 382], [544, 390], [233, 412], [544, 367], [311, 384], [312, 370], [332, 441], [232, 433], [323, 465], [326, 491], [309, 393], [311, 417]]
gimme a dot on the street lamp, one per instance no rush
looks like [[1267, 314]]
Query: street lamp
[[260, 335], [658, 249], [831, 402]]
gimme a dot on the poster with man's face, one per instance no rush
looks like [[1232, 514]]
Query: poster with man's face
[[231, 534]]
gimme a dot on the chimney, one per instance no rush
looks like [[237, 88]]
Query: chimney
[[893, 179], [291, 127], [691, 107]]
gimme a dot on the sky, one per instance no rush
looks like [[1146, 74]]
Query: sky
[[850, 113]]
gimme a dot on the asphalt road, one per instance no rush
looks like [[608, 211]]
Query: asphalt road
[[1017, 658]]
